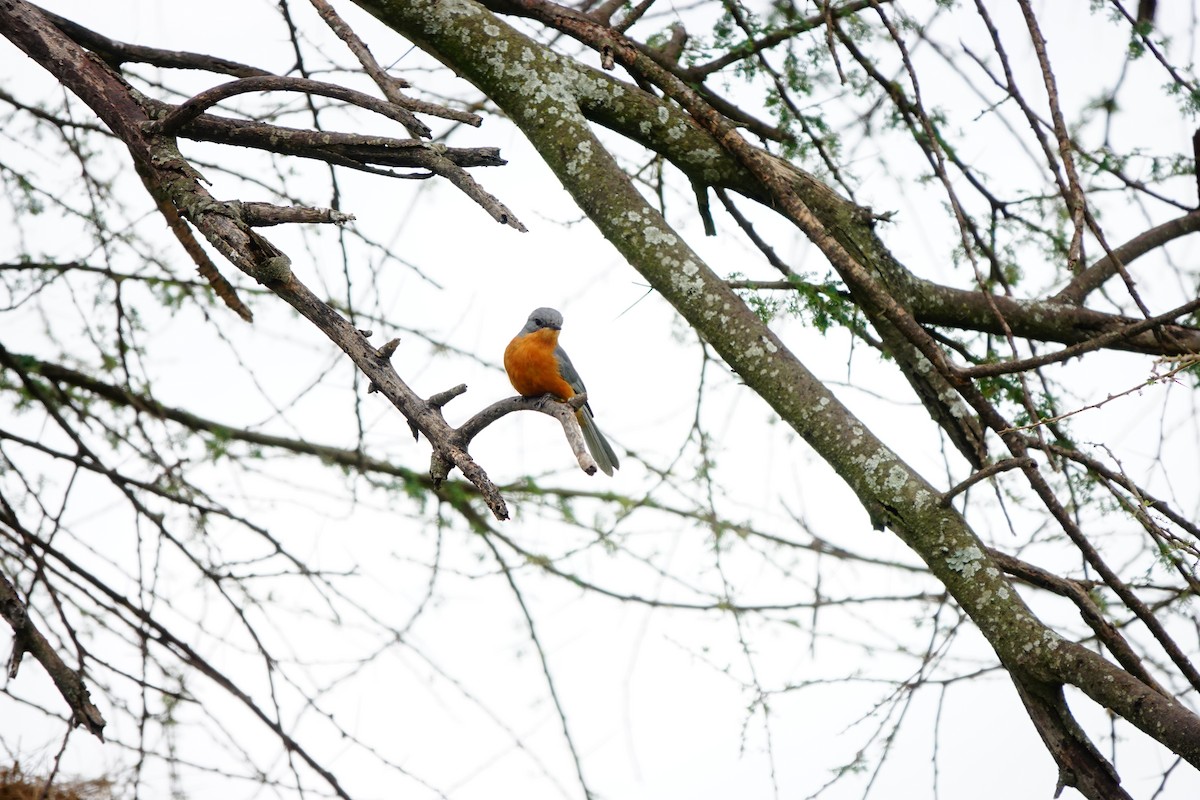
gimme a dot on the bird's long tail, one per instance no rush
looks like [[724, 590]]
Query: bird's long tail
[[597, 445]]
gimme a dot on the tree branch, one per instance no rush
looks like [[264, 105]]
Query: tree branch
[[28, 639], [169, 124], [546, 404], [118, 53], [1088, 280]]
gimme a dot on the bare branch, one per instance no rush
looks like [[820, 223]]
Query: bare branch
[[987, 472], [28, 639], [170, 123], [117, 53], [261, 215], [546, 404], [1093, 277]]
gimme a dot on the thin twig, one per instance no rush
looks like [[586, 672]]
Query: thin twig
[[985, 473]]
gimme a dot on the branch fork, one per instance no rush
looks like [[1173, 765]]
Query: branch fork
[[547, 404]]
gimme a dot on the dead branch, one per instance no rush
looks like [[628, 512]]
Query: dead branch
[[173, 121], [28, 639]]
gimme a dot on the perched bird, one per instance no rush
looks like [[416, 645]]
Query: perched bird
[[536, 365]]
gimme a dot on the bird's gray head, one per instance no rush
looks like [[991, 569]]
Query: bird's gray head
[[543, 318]]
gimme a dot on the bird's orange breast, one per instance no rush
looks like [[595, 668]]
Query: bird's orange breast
[[532, 368]]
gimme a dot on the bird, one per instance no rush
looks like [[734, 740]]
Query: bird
[[536, 365]]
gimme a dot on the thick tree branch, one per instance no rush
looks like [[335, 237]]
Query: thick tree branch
[[1050, 321], [187, 240], [1093, 277], [1080, 764], [891, 491]]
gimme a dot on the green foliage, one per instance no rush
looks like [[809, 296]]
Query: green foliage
[[824, 306], [821, 304], [1137, 47], [22, 194], [1188, 97], [217, 443], [1003, 389], [566, 510], [764, 305], [656, 40], [723, 32], [173, 295]]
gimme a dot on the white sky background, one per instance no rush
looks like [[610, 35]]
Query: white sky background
[[650, 708]]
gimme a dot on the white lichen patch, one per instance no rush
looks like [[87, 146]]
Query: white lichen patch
[[897, 479], [596, 88], [687, 277], [771, 347], [547, 91], [439, 17], [965, 561], [874, 461], [656, 236], [922, 499], [950, 399], [583, 155], [702, 156]]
